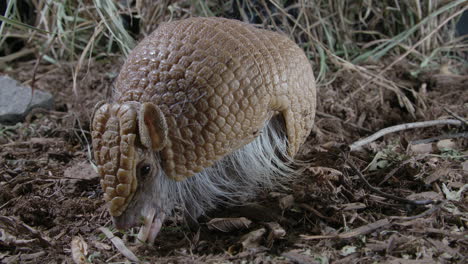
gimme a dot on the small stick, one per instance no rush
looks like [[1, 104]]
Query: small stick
[[358, 144], [392, 172], [344, 122], [317, 213], [425, 213], [432, 139], [465, 123], [384, 194], [17, 225], [362, 230]]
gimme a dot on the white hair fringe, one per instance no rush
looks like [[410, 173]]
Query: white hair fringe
[[263, 163]]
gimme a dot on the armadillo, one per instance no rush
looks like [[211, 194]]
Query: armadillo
[[203, 112]]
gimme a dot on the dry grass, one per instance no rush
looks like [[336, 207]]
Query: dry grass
[[336, 35]]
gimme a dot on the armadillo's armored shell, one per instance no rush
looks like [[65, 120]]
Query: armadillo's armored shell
[[217, 81]]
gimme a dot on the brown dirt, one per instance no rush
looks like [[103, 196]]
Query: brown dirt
[[47, 183]]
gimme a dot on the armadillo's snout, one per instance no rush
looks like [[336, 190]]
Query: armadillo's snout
[[150, 221], [122, 222]]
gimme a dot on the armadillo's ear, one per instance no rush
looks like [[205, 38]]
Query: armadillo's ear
[[96, 107], [152, 126]]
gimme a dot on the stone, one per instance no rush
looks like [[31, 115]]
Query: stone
[[16, 103]]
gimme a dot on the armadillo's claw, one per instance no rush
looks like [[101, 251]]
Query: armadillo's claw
[[156, 227], [151, 227]]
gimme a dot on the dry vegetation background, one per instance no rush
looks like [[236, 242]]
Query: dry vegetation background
[[377, 63]]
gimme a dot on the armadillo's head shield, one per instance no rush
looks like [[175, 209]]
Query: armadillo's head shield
[[118, 130]]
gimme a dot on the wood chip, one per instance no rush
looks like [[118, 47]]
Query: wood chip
[[228, 224], [276, 232], [298, 258], [446, 144], [425, 196], [286, 202], [252, 239], [421, 148], [352, 206], [410, 261], [363, 230], [437, 174], [101, 246], [465, 166], [32, 256]]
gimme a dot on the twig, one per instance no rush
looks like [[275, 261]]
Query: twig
[[432, 139], [9, 202], [392, 172], [358, 144], [17, 225], [344, 122], [408, 218], [362, 230], [317, 213], [465, 123], [295, 257], [386, 195]]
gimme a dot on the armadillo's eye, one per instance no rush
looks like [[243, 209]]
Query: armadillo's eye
[[144, 169]]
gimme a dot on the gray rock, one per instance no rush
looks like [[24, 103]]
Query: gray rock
[[15, 100]]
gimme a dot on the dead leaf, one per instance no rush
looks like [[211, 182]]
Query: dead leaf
[[453, 195], [252, 239], [424, 196], [421, 148], [101, 246], [352, 206], [410, 261], [286, 202], [79, 250], [275, 195], [437, 174], [228, 224], [299, 258], [347, 250], [465, 166], [446, 144]]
